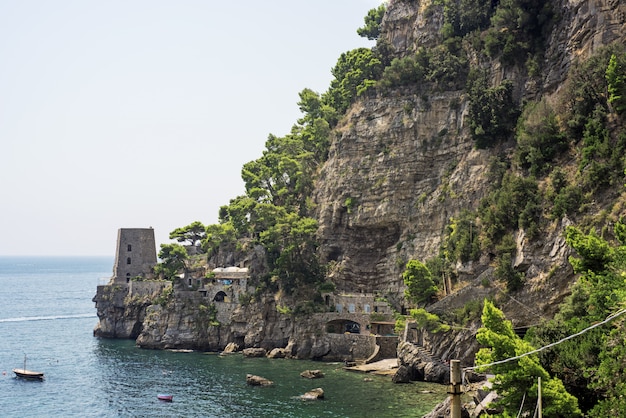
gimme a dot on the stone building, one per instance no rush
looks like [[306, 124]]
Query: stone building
[[135, 255]]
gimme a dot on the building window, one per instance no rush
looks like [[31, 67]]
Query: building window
[[366, 308], [128, 260], [351, 307], [130, 247], [127, 277]]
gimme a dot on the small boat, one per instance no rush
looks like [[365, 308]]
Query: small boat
[[165, 397], [27, 374]]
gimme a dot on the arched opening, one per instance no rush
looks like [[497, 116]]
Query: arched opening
[[342, 326], [219, 297]]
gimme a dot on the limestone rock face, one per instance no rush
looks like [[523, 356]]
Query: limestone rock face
[[386, 191], [400, 165], [121, 312]]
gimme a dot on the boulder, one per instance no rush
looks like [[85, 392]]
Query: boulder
[[254, 352], [230, 348], [277, 353], [402, 375], [254, 380], [312, 374], [313, 394], [436, 372]]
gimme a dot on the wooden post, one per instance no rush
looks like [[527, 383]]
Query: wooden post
[[539, 406], [455, 389]]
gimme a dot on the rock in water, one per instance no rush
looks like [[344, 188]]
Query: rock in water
[[254, 352], [230, 348], [312, 374], [313, 394], [254, 380], [277, 353]]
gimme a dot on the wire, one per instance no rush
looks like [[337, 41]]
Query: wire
[[569, 337], [519, 413]]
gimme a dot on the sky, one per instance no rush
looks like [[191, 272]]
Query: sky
[[141, 113]]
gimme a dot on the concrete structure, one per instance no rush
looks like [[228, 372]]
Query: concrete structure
[[135, 255]]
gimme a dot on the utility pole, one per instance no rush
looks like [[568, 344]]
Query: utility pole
[[455, 389]]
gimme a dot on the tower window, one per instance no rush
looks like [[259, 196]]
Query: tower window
[[128, 260], [130, 247]]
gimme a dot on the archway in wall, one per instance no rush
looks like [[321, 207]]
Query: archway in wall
[[220, 296], [342, 326]]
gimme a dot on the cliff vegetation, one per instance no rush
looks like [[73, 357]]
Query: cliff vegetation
[[475, 153]]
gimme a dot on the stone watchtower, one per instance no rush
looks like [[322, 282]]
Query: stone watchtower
[[136, 254]]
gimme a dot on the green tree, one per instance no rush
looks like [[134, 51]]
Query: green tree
[[291, 246], [616, 82], [492, 111], [592, 364], [594, 252], [515, 204], [352, 74], [420, 285], [518, 29], [539, 139], [517, 379], [218, 236], [374, 17], [193, 233], [428, 321], [464, 16], [173, 260], [461, 242]]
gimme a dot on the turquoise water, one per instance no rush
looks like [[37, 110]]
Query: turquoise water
[[46, 313]]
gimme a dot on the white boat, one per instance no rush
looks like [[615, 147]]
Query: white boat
[[28, 374]]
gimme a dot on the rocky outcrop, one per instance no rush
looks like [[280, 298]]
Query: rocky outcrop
[[230, 348], [313, 394], [403, 162], [254, 380], [421, 365], [254, 352], [393, 178], [122, 308], [312, 374]]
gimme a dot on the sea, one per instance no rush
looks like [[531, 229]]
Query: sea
[[47, 318]]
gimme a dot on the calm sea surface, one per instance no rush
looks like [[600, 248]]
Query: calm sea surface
[[47, 315]]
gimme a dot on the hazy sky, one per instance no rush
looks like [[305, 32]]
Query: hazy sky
[[138, 113]]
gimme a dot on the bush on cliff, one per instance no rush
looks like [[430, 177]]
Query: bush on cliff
[[516, 381]]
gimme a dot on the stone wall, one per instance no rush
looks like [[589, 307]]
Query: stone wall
[[147, 287]]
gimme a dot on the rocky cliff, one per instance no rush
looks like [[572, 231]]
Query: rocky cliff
[[401, 164], [408, 164]]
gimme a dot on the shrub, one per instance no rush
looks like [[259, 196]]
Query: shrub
[[492, 110], [539, 139]]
